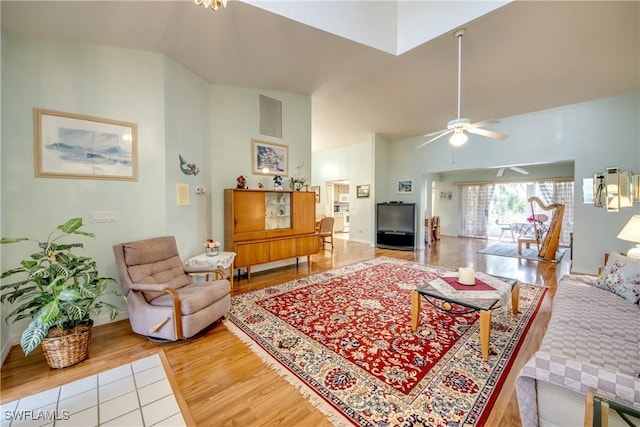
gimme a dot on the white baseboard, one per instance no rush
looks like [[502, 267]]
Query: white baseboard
[[366, 242]]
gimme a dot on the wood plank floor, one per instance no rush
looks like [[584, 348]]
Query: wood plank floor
[[225, 384]]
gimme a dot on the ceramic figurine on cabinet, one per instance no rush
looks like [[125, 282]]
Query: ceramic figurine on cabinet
[[277, 183], [242, 182]]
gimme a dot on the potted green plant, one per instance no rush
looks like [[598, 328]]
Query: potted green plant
[[59, 290]]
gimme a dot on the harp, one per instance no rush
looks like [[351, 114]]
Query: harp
[[549, 246]]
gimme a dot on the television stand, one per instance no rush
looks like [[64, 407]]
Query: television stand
[[396, 240]]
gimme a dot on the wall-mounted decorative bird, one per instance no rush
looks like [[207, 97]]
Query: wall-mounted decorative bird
[[188, 168]]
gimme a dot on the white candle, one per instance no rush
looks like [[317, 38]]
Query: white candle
[[466, 276]]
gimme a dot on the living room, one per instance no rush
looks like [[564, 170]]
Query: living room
[[179, 113]]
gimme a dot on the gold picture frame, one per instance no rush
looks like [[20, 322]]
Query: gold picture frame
[[363, 190], [84, 147]]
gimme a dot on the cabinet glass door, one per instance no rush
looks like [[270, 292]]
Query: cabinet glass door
[[277, 210]]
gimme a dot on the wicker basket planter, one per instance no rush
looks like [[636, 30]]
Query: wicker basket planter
[[66, 347]]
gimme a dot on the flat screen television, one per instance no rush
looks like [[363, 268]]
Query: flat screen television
[[396, 217]]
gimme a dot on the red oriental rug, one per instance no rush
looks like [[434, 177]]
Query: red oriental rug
[[344, 338]]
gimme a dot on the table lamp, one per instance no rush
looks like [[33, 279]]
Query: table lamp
[[631, 233]]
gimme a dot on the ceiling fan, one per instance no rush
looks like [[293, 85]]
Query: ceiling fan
[[457, 127], [513, 168]]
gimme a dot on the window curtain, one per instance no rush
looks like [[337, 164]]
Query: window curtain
[[474, 204], [551, 192]]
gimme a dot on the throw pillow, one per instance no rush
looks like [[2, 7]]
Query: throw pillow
[[621, 276]]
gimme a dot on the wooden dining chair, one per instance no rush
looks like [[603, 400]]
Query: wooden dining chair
[[325, 231]]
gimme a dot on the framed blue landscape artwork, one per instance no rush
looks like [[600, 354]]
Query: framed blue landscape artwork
[[77, 146]]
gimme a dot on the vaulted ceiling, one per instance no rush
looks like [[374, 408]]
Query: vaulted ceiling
[[521, 57]]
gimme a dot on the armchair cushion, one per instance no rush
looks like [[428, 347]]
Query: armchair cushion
[[196, 296], [147, 287], [155, 261]]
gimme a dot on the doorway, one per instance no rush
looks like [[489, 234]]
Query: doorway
[[338, 203]]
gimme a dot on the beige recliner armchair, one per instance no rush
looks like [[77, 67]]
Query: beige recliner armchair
[[163, 300]]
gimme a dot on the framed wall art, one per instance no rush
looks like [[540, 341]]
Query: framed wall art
[[362, 190], [405, 186], [77, 146], [268, 158]]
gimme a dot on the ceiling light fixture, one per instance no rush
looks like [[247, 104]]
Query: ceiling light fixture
[[212, 4], [458, 138]]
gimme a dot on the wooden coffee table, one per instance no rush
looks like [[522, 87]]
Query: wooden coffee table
[[484, 297]]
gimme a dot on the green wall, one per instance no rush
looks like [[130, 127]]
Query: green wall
[[356, 164], [177, 113], [592, 136], [235, 121]]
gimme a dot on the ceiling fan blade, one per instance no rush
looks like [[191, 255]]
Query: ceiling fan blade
[[487, 133], [500, 172], [434, 133], [433, 139], [519, 170], [483, 123]]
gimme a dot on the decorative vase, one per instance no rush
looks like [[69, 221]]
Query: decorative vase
[[296, 185], [66, 347], [212, 251]]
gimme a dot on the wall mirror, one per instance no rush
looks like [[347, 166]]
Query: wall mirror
[[599, 190], [613, 199], [615, 189], [625, 189]]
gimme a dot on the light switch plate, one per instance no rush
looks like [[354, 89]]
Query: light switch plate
[[104, 216]]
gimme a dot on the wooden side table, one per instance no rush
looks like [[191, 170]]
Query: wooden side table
[[222, 260], [527, 241]]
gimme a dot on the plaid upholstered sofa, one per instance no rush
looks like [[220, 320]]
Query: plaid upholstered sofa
[[592, 343]]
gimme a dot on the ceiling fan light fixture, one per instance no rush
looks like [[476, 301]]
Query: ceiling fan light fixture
[[459, 138], [459, 125], [211, 4]]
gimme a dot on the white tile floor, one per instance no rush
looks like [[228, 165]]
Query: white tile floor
[[135, 394]]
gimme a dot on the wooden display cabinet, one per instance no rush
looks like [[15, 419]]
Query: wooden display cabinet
[[267, 226]]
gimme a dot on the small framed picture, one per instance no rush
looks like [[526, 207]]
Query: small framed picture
[[316, 189], [446, 195], [362, 190], [269, 158], [405, 186]]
